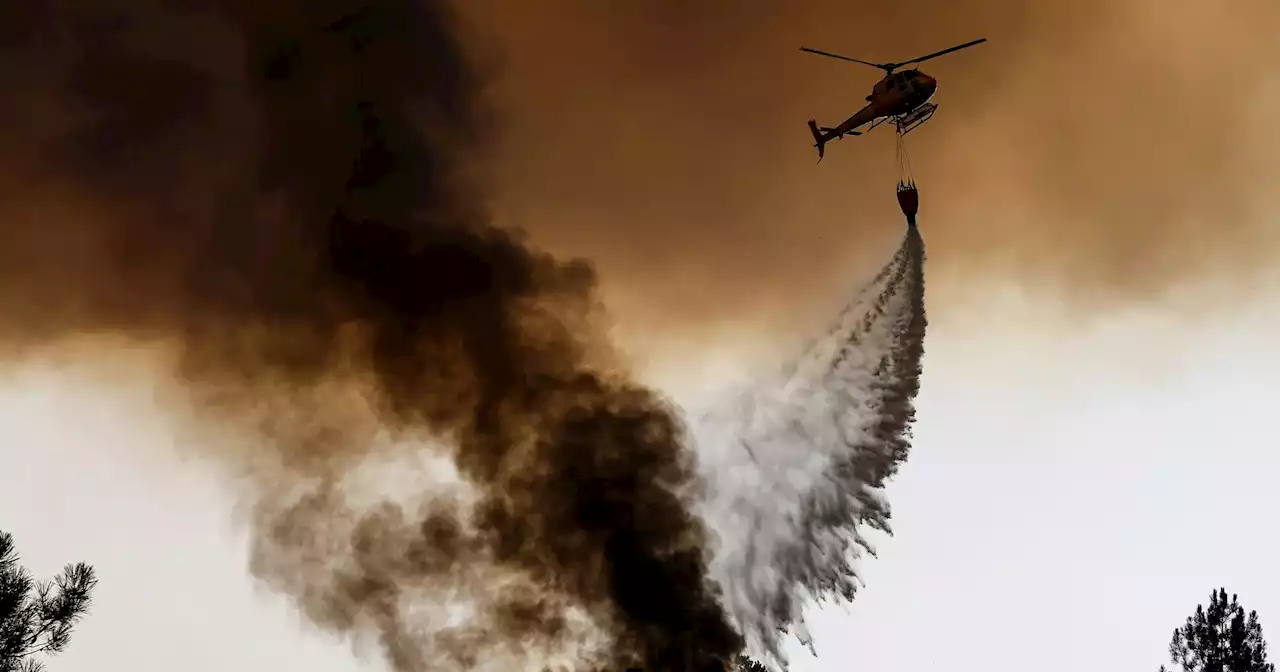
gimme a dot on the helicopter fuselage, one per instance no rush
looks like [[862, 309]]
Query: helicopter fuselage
[[899, 93]]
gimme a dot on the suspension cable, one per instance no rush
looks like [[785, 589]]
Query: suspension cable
[[905, 175]]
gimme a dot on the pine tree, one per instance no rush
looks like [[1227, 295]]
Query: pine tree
[[1221, 638], [745, 664], [36, 618]]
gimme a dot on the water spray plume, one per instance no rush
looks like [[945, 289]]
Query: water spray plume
[[797, 460]]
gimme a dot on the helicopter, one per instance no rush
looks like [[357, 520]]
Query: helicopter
[[901, 96]]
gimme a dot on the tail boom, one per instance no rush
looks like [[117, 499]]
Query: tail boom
[[822, 135], [819, 140]]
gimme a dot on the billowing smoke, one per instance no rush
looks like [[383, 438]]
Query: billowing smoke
[[276, 191], [798, 460]]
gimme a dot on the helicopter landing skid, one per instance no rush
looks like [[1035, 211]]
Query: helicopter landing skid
[[914, 119]]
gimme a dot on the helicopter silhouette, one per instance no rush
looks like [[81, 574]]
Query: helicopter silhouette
[[901, 96]]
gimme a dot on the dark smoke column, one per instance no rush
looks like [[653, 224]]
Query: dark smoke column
[[591, 516], [290, 215]]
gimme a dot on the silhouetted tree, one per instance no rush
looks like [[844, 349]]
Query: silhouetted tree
[[745, 664], [36, 617], [739, 664], [1220, 639]]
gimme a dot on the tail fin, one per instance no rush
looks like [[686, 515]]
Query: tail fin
[[819, 141]]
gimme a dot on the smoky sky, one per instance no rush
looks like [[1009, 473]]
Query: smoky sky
[[258, 183], [283, 193], [1100, 151]]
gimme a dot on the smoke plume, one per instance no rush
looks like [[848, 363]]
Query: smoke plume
[[278, 192], [797, 461]]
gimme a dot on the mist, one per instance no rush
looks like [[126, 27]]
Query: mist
[[797, 459]]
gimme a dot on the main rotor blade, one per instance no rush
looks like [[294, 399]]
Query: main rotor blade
[[882, 66], [940, 53]]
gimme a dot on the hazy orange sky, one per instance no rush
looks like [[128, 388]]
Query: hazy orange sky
[[1111, 148], [1104, 150]]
